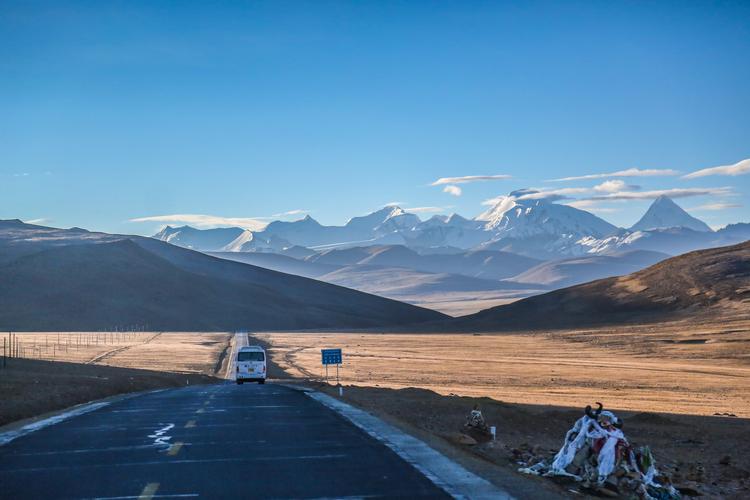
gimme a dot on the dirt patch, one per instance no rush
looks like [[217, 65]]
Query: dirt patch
[[33, 387]]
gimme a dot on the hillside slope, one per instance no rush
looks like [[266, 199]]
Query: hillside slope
[[60, 280], [704, 282], [568, 272]]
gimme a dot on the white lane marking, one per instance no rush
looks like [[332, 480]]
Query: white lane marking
[[178, 462], [159, 436], [443, 472], [256, 442], [166, 495], [85, 450], [9, 436], [139, 410]]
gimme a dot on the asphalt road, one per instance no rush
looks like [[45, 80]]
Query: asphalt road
[[220, 441]]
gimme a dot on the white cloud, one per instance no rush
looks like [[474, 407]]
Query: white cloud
[[287, 214], [551, 194], [739, 168], [206, 221], [494, 201], [715, 206], [452, 190], [426, 210], [583, 204], [469, 178], [37, 221], [22, 174], [614, 186], [672, 193], [537, 194], [592, 206], [630, 172], [394, 204]]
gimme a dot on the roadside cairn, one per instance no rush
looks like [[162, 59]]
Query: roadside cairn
[[476, 427], [596, 454]]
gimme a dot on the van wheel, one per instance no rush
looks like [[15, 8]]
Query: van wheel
[[239, 382], [262, 381]]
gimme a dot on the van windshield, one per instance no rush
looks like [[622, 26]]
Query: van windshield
[[250, 356]]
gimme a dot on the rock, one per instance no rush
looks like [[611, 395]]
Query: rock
[[461, 438], [725, 460]]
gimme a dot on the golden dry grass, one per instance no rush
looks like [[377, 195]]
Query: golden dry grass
[[685, 368], [184, 352]]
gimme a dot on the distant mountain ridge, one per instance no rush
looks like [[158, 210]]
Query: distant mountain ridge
[[664, 214], [199, 239], [525, 222]]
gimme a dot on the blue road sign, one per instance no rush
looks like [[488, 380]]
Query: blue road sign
[[331, 356]]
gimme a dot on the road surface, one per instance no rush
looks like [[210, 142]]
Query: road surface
[[218, 441]]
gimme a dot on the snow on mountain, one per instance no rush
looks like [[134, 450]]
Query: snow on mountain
[[238, 243], [384, 220], [519, 216], [199, 239], [665, 228], [522, 222], [665, 213]]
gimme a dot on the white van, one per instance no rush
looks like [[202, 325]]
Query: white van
[[251, 365]]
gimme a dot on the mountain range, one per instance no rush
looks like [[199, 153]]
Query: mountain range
[[72, 279], [524, 223]]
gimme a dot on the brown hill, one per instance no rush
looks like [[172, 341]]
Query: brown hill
[[704, 282], [56, 279]]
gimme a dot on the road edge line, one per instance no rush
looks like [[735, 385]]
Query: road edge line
[[446, 474], [33, 424]]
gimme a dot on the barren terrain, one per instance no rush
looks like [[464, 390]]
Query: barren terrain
[[697, 369], [61, 370]]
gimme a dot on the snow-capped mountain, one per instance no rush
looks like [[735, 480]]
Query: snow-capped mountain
[[665, 213], [666, 228], [199, 239], [522, 222], [526, 224], [521, 215]]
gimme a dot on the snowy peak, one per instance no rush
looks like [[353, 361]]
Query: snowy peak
[[521, 215], [665, 213], [199, 239], [376, 218]]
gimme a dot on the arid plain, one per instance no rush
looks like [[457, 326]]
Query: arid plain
[[682, 367]]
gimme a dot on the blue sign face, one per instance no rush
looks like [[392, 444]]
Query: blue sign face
[[331, 356]]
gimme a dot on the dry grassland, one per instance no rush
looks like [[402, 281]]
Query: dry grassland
[[183, 352], [698, 369]]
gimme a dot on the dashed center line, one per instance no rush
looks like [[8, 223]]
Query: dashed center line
[[149, 491], [175, 448]]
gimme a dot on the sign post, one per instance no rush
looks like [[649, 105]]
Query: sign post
[[332, 357]]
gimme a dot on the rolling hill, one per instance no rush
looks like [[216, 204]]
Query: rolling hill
[[704, 282], [451, 293], [568, 272], [57, 279]]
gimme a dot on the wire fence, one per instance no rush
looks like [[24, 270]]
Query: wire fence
[[65, 346]]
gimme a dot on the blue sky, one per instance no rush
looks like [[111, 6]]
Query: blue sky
[[113, 111]]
